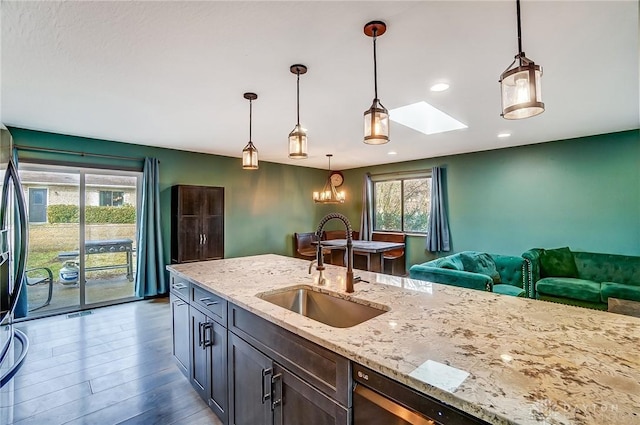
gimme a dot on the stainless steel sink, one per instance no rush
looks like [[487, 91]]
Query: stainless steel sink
[[324, 307]]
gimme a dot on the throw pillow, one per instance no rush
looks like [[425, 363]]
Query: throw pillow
[[450, 263], [480, 262], [558, 263]]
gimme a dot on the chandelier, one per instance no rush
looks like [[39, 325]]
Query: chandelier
[[329, 194]]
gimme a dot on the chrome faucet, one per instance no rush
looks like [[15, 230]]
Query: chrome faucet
[[321, 279], [349, 237]]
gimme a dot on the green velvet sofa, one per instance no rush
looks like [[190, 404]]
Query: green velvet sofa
[[503, 274], [585, 279]]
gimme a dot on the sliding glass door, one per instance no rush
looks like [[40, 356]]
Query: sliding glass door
[[82, 236]]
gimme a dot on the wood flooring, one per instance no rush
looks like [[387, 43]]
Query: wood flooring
[[113, 366]]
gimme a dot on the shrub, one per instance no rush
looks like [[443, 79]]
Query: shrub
[[125, 214], [63, 213]]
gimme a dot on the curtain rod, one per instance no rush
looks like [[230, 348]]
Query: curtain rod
[[98, 155], [398, 173]]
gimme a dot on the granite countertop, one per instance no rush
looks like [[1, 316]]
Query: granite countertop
[[508, 360]]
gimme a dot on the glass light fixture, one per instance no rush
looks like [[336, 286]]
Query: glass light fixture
[[521, 85], [376, 118], [329, 194], [298, 137], [250, 153]]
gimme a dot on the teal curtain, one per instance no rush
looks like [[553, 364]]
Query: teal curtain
[[366, 220], [150, 271], [438, 233]]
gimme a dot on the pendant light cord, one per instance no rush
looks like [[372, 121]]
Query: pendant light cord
[[298, 95], [250, 113], [520, 54], [375, 68]]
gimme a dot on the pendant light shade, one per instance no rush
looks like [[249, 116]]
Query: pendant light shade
[[250, 153], [298, 137], [329, 194], [376, 118], [520, 84]]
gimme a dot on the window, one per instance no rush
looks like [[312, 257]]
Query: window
[[402, 203], [109, 198]]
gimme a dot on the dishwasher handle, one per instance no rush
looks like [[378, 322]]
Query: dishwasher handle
[[392, 407]]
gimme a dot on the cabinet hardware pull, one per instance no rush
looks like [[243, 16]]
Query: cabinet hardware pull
[[179, 286], [200, 339], [200, 238], [205, 238], [179, 303], [277, 390], [210, 303], [208, 342], [266, 394]]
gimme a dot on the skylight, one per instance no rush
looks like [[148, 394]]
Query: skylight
[[425, 118]]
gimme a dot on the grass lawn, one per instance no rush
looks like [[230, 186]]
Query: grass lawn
[[50, 260]]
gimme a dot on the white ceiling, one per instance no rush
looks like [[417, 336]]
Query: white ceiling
[[172, 74]]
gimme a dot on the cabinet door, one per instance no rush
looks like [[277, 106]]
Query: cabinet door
[[296, 402], [213, 223], [180, 318], [199, 371], [186, 232], [250, 374], [216, 340]]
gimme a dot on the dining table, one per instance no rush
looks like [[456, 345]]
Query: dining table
[[372, 250]]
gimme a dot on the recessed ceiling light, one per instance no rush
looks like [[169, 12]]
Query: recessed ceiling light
[[392, 153], [425, 118], [440, 87], [504, 135]]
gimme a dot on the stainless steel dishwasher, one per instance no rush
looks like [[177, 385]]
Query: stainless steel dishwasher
[[378, 400]]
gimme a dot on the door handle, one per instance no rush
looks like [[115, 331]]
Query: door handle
[[207, 301], [201, 238], [208, 329], [205, 238], [276, 383], [200, 326], [266, 389]]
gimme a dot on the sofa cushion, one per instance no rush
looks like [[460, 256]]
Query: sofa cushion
[[567, 287], [619, 290], [480, 262], [608, 267], [558, 263], [509, 290]]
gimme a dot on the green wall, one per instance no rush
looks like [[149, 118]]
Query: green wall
[[583, 193], [263, 208]]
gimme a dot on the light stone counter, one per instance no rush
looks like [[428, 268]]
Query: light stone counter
[[529, 361]]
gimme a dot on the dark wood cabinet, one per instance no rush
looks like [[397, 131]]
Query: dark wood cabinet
[[296, 402], [250, 374], [180, 321], [277, 377], [251, 371], [197, 227], [208, 373]]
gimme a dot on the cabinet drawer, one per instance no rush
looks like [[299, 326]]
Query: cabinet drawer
[[180, 287], [211, 303], [322, 368]]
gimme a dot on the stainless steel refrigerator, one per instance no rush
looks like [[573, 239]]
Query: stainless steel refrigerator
[[13, 251]]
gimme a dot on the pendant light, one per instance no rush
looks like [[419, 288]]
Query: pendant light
[[250, 153], [298, 137], [520, 85], [329, 194], [376, 118]]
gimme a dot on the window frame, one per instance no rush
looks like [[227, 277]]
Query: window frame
[[398, 176], [100, 192]]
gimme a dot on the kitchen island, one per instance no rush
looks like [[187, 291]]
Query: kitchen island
[[509, 360]]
